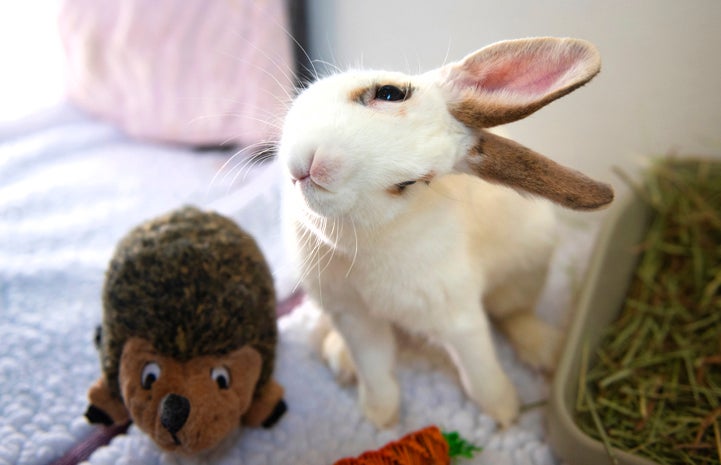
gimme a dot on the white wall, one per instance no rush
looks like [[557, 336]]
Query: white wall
[[31, 58], [659, 90]]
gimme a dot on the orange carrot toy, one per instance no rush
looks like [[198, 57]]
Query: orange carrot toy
[[428, 446]]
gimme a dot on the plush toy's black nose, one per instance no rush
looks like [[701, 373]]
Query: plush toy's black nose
[[174, 411]]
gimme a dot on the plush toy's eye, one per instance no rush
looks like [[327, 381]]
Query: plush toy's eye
[[390, 93], [221, 377], [151, 373]]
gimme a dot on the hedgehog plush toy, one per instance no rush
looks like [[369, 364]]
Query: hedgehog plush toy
[[188, 336]]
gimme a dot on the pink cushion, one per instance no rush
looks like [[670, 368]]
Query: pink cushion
[[186, 71]]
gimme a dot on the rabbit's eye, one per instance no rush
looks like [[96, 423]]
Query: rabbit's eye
[[390, 93], [403, 185], [398, 189]]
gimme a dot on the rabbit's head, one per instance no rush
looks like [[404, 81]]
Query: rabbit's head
[[358, 144]]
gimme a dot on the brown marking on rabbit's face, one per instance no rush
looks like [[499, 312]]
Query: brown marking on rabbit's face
[[359, 94], [187, 407]]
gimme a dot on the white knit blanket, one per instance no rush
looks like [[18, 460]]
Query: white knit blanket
[[70, 187]]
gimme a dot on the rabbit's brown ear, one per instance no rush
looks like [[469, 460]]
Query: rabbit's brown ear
[[509, 80], [500, 160]]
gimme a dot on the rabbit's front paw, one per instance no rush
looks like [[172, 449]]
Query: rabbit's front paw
[[536, 342], [381, 404], [499, 400], [337, 356], [505, 409], [543, 349]]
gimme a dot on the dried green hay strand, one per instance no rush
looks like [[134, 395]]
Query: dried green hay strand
[[653, 385]]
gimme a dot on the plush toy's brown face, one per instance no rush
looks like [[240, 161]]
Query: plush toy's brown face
[[187, 407]]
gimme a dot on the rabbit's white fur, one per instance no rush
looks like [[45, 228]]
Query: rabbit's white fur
[[436, 258]]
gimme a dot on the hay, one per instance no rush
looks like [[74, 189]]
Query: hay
[[654, 384]]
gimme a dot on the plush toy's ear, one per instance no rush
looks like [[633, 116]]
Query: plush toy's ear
[[267, 408], [509, 80], [105, 408]]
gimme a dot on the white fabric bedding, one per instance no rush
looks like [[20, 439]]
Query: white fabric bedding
[[71, 186]]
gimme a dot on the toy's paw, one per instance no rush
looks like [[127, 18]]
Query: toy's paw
[[98, 416], [336, 355], [105, 408], [267, 408], [280, 408], [381, 404]]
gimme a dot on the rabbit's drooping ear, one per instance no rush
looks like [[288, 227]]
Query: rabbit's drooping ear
[[508, 81], [500, 160]]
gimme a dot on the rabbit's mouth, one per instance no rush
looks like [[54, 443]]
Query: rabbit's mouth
[[307, 182], [314, 196]]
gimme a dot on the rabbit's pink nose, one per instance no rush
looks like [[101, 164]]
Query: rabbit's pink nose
[[322, 171]]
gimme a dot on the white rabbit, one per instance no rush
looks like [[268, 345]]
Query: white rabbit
[[386, 234]]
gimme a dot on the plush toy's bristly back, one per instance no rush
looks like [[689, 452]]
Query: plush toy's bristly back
[[192, 283]]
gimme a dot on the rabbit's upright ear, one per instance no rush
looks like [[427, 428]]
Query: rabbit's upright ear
[[508, 81]]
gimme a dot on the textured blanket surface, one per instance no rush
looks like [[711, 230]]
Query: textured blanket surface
[[70, 187]]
